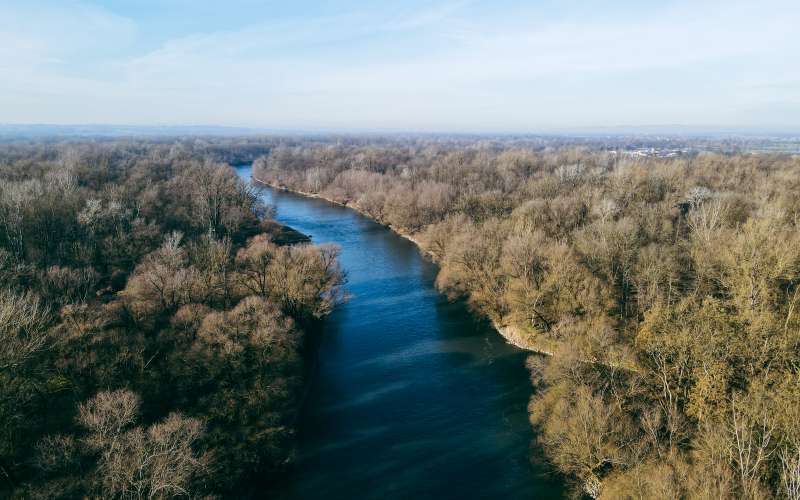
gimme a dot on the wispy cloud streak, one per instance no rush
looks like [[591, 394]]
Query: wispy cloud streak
[[438, 65]]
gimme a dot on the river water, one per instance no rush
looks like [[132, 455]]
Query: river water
[[413, 397]]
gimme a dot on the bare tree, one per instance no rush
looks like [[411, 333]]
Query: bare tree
[[23, 328], [157, 462], [107, 415], [790, 472], [162, 282], [751, 436]]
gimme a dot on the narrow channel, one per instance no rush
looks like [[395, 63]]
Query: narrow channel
[[413, 397]]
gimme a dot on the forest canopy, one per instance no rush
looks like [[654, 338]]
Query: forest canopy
[[149, 309], [666, 289], [151, 325]]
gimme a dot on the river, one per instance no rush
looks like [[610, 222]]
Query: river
[[412, 397]]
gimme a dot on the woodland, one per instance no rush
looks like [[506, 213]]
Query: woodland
[[154, 328], [153, 333], [665, 291]]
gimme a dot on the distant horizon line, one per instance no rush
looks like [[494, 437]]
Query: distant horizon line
[[115, 129]]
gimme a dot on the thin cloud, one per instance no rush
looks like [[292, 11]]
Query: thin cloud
[[443, 66]]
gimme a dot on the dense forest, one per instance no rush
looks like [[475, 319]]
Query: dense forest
[[151, 325], [153, 321], [666, 290]]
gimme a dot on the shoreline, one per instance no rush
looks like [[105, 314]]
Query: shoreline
[[318, 196], [510, 333]]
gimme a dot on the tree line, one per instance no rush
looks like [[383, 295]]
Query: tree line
[[151, 329], [667, 290]]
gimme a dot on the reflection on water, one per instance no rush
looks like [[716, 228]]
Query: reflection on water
[[413, 398]]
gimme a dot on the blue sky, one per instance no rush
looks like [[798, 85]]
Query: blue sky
[[420, 65]]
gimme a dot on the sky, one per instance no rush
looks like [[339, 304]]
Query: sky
[[418, 65]]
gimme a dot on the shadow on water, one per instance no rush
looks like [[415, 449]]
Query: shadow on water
[[412, 397]]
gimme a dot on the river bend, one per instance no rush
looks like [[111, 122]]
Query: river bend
[[412, 397]]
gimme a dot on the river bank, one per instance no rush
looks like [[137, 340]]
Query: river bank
[[511, 333], [412, 397], [351, 206]]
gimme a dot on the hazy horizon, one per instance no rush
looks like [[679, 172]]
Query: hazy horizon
[[210, 130], [425, 66]]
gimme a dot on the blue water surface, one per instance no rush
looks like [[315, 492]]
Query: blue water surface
[[412, 397]]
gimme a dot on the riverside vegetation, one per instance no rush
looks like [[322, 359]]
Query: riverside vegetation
[[666, 289], [151, 331]]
